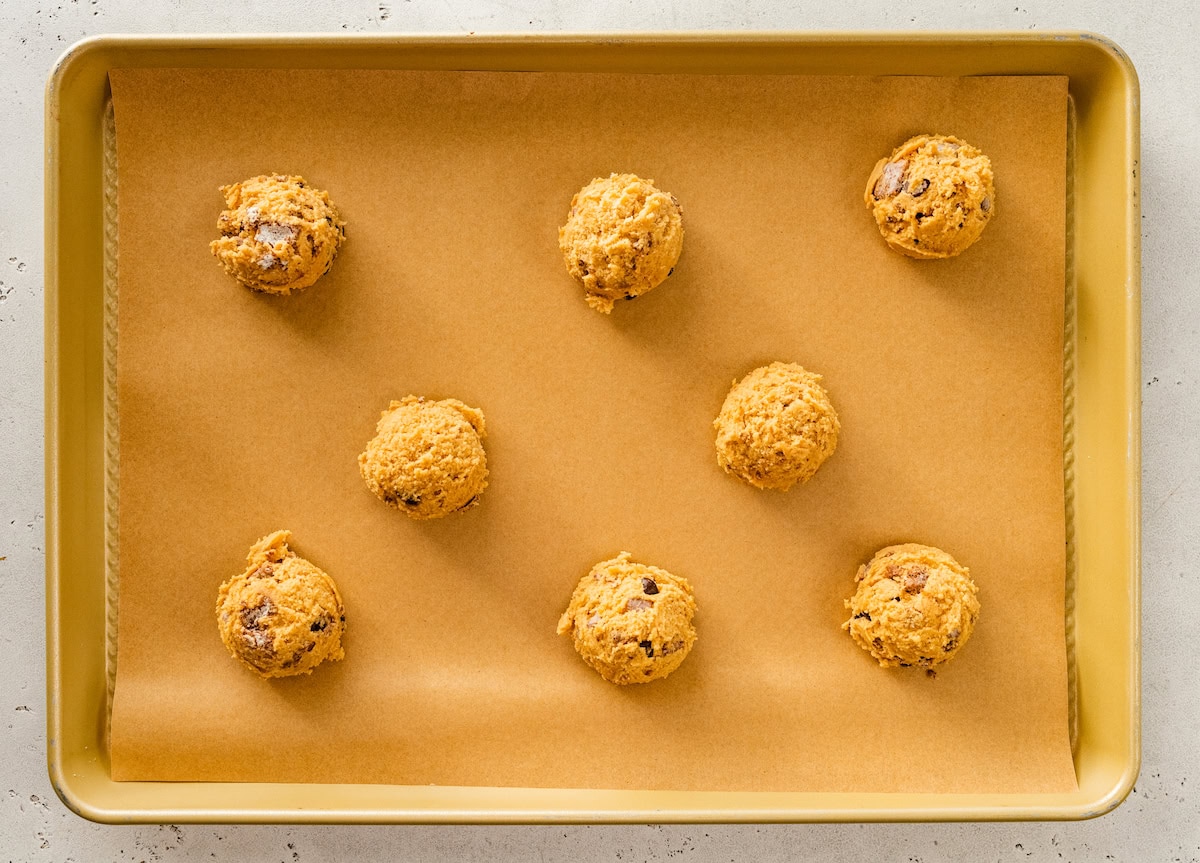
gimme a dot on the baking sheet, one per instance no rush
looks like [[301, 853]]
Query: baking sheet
[[241, 414]]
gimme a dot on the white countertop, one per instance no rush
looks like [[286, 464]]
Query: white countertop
[[1160, 820]]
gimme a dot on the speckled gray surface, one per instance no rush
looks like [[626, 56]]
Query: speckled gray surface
[[1159, 821]]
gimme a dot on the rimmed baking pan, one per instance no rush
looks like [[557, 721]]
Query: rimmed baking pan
[[1102, 418]]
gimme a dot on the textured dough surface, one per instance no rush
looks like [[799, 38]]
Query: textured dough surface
[[631, 622], [915, 605], [283, 616], [427, 457], [776, 427], [278, 234], [932, 197], [622, 238]]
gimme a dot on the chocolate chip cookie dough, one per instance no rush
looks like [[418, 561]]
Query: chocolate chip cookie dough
[[622, 238], [631, 622], [932, 197], [283, 616], [278, 234], [915, 605], [776, 427], [427, 457]]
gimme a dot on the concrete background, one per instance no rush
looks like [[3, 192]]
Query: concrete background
[[1159, 821]]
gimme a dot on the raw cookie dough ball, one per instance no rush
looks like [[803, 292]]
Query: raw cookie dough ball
[[915, 605], [776, 427], [427, 457], [622, 238], [933, 197], [279, 234], [282, 616], [630, 622]]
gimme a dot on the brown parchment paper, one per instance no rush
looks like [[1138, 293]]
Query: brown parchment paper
[[241, 414]]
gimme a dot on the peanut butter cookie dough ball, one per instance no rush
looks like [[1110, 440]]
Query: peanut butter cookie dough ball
[[427, 457], [622, 238], [631, 622], [776, 427], [933, 197], [283, 616], [279, 234], [915, 605]]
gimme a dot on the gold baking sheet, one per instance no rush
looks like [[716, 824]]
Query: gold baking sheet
[[240, 414]]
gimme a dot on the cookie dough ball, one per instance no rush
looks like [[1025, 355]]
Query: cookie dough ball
[[777, 427], [631, 622], [933, 197], [279, 234], [427, 457], [915, 605], [622, 238], [282, 616]]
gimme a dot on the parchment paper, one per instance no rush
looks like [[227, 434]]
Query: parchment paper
[[241, 414]]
